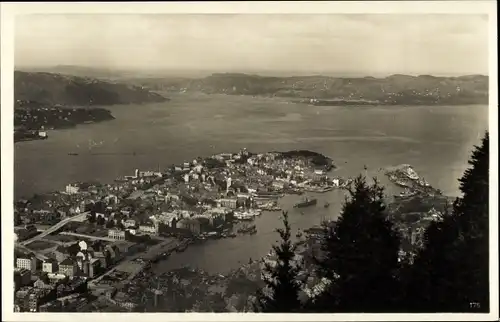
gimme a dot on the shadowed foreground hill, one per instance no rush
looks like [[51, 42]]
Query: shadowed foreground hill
[[392, 90], [56, 89]]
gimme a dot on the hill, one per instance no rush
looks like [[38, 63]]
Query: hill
[[57, 89], [325, 90]]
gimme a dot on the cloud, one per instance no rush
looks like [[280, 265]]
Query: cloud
[[345, 43]]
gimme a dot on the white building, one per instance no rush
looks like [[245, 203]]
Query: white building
[[72, 189], [23, 263], [116, 234], [50, 266], [148, 229], [129, 223]]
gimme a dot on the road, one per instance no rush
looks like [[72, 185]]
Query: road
[[88, 236], [54, 228], [25, 249]]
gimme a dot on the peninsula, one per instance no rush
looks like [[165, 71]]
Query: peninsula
[[92, 246], [45, 101]]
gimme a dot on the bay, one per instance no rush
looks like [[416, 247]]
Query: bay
[[436, 140]]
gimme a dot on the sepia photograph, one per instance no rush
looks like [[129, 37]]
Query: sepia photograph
[[222, 161]]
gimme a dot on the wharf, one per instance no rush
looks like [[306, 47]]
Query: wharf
[[134, 267]]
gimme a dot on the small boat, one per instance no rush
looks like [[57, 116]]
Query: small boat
[[212, 234], [326, 205], [72, 153]]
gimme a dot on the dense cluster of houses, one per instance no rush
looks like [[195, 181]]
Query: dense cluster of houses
[[64, 271], [194, 197]]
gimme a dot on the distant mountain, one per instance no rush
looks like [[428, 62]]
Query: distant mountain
[[392, 90], [56, 89]]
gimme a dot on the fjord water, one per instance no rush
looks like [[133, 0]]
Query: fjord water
[[436, 140]]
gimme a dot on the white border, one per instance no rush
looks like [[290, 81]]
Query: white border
[[9, 10]]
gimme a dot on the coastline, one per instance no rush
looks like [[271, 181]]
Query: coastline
[[144, 187], [139, 268]]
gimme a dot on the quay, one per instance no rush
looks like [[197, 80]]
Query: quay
[[136, 263]]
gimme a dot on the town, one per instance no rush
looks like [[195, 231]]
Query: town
[[86, 243], [32, 119]]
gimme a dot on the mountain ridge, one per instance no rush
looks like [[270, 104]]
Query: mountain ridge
[[392, 90], [396, 89], [58, 89]]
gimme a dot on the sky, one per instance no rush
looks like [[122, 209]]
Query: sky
[[353, 44]]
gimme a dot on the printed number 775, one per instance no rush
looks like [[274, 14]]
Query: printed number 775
[[474, 305]]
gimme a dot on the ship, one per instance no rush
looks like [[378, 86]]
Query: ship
[[72, 153], [306, 203]]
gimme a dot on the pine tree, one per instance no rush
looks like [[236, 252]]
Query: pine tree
[[283, 286], [360, 255], [451, 273]]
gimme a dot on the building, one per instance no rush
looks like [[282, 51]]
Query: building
[[278, 185], [44, 283], [31, 263], [68, 267], [229, 203], [103, 258], [148, 229], [22, 277], [103, 289], [129, 223], [114, 253], [191, 224], [72, 189], [116, 234], [22, 298], [27, 232], [85, 255], [123, 300], [85, 267], [94, 266], [36, 298], [53, 306], [58, 255], [50, 266]]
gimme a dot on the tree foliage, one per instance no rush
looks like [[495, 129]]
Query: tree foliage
[[282, 285], [451, 273], [360, 255]]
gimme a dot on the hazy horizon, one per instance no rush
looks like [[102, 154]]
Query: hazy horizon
[[334, 45], [204, 73]]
